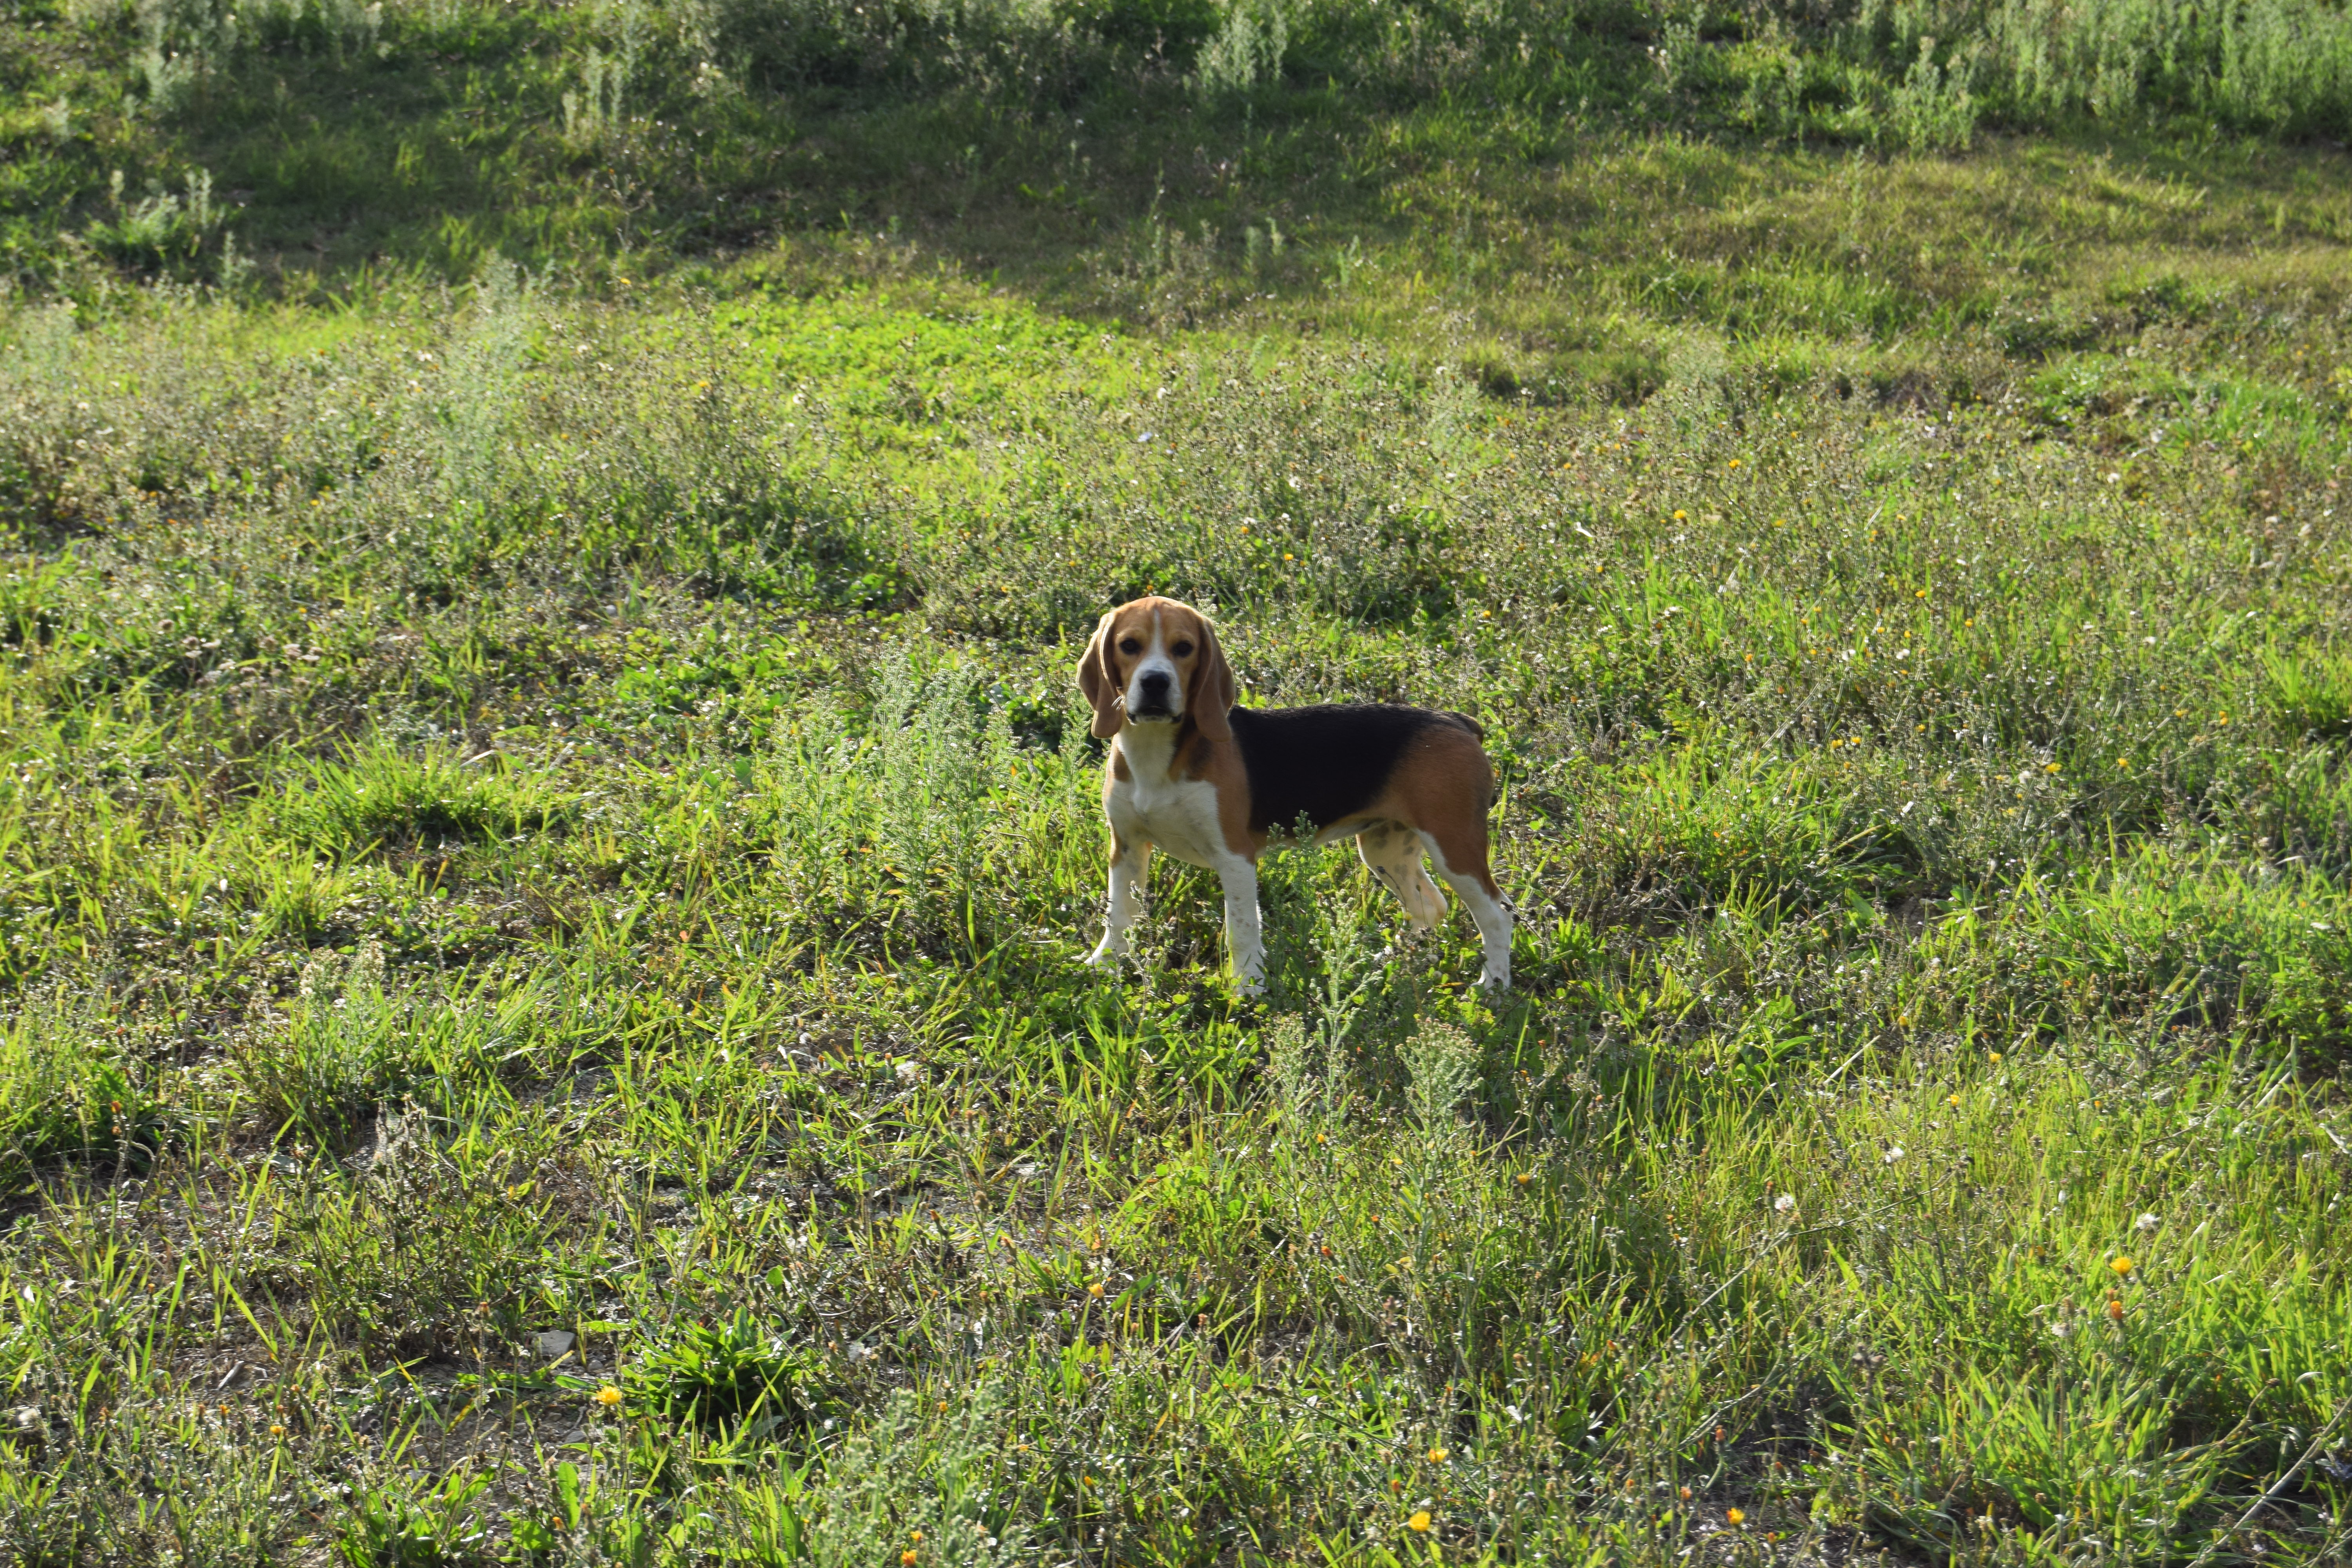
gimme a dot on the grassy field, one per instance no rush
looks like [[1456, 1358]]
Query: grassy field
[[547, 831]]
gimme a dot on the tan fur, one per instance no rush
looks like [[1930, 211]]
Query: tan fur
[[1099, 683]]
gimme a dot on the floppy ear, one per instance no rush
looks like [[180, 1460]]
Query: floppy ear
[[1099, 685], [1211, 688]]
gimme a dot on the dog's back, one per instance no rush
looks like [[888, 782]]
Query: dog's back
[[1328, 763]]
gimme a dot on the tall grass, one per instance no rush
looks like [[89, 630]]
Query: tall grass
[[675, 130], [2279, 67]]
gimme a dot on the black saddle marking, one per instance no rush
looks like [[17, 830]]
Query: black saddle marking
[[1324, 763]]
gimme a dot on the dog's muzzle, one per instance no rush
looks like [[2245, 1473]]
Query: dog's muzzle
[[1154, 698]]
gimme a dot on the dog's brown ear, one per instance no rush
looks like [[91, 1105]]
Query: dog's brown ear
[[1099, 684], [1211, 688]]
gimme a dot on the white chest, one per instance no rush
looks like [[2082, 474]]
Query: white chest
[[1178, 816]]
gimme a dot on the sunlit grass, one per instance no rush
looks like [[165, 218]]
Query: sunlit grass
[[545, 839]]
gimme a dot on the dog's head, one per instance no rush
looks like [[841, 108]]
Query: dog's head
[[1155, 661]]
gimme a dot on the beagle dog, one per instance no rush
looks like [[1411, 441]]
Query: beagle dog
[[1210, 782]]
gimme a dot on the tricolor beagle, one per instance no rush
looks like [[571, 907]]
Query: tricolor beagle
[[1208, 783]]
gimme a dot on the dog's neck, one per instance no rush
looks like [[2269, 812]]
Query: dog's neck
[[1153, 751]]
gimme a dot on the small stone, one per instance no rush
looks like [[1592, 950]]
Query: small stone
[[555, 1341]]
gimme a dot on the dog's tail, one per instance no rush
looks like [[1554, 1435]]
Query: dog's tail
[[1468, 722]]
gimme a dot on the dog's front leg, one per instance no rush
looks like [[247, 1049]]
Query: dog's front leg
[[1130, 857], [1245, 940]]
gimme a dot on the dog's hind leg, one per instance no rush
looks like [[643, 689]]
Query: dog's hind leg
[[1393, 852], [1466, 872]]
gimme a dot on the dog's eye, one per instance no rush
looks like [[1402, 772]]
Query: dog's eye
[[1183, 650], [1128, 645]]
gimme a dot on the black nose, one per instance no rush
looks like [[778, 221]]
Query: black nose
[[1155, 686]]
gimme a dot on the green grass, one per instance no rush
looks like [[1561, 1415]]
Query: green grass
[[547, 831], [544, 816]]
